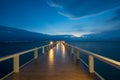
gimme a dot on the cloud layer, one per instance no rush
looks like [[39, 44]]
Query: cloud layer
[[117, 16], [75, 9]]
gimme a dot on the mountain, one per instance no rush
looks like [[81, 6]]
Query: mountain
[[63, 37], [103, 36], [8, 34]]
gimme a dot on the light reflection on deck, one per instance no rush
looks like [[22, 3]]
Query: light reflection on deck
[[63, 51], [51, 57]]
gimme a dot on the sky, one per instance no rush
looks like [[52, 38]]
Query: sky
[[60, 17]]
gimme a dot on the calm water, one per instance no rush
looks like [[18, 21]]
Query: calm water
[[107, 49]]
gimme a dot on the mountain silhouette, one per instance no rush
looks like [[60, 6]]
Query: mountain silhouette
[[9, 34], [13, 34], [103, 36]]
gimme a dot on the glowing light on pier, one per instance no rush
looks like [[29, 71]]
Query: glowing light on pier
[[51, 42]]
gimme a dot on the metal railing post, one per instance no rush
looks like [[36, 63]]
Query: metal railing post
[[91, 64]]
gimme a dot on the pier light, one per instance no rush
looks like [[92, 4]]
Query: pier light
[[51, 42]]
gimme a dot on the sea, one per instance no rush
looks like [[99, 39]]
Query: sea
[[107, 49]]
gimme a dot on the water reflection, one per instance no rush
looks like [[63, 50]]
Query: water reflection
[[51, 56]]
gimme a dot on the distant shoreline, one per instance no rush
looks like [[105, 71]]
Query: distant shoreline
[[93, 41], [22, 41]]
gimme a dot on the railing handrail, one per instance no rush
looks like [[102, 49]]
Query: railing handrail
[[102, 58], [20, 53]]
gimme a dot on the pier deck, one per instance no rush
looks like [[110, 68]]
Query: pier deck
[[57, 64]]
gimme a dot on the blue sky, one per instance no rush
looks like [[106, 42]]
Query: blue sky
[[76, 17]]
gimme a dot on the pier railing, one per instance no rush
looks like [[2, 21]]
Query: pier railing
[[16, 60], [72, 49], [91, 57]]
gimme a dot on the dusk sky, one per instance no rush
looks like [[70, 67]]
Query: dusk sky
[[59, 17]]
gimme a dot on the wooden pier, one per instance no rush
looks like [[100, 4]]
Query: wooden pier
[[59, 62], [54, 65]]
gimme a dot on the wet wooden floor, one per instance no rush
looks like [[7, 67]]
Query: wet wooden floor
[[57, 64]]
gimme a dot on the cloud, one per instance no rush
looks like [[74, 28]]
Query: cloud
[[115, 20], [67, 15], [96, 27], [52, 4], [117, 16], [73, 17], [76, 9]]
